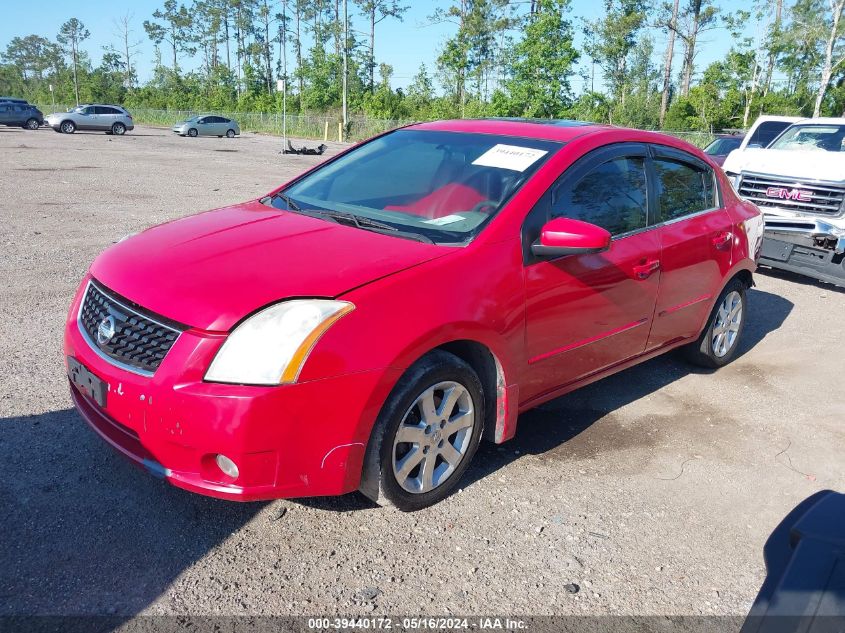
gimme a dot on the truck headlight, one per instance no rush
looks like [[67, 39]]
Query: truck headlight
[[272, 345], [734, 179]]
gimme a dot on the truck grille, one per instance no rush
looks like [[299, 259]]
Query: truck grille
[[137, 343], [792, 195]]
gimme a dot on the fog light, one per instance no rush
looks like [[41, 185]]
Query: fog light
[[229, 468]]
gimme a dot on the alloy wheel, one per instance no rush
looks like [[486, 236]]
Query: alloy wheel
[[726, 327], [433, 437]]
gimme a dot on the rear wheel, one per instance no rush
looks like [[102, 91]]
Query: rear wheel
[[427, 433], [717, 345], [68, 127], [230, 133], [118, 129], [32, 124], [192, 132]]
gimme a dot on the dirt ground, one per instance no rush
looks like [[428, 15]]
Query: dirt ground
[[654, 490]]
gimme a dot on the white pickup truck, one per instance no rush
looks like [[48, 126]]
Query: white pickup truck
[[798, 181]]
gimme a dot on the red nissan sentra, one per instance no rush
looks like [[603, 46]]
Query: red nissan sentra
[[365, 325]]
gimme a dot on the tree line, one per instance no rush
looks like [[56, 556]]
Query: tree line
[[637, 64]]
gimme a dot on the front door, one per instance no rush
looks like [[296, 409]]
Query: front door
[[87, 119], [696, 237], [585, 313]]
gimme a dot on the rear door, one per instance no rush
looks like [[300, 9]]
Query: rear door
[[696, 240], [108, 116], [5, 114], [585, 313]]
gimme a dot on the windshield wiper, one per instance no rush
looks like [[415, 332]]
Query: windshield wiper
[[368, 224]]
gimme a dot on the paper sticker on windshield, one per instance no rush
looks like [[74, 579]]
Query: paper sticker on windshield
[[446, 219], [510, 157]]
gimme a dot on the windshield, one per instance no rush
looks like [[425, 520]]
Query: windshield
[[440, 186], [723, 146], [823, 138]]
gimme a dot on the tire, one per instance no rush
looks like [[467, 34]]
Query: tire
[[193, 132], [32, 124], [428, 476], [230, 133], [717, 345], [68, 127], [118, 129]]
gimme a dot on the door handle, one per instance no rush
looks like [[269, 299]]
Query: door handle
[[722, 239], [644, 270]]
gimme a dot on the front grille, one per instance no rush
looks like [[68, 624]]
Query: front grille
[[793, 195], [139, 342]]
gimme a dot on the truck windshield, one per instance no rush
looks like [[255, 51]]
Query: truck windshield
[[823, 138], [440, 186]]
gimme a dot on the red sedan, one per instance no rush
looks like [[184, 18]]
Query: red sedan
[[365, 325]]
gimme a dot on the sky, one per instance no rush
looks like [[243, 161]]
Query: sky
[[404, 45]]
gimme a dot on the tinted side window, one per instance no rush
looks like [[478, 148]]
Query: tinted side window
[[612, 196], [683, 189], [767, 132]]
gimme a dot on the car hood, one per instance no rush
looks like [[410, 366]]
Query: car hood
[[809, 164], [211, 270]]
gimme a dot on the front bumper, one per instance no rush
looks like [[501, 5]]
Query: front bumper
[[804, 245], [306, 439]]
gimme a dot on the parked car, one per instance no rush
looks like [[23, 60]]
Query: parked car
[[110, 119], [14, 114], [208, 125], [12, 100], [798, 181], [363, 326], [723, 145]]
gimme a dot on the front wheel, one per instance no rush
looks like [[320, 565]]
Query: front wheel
[[230, 133], [717, 345], [32, 124], [118, 129], [192, 132], [68, 127], [427, 433]]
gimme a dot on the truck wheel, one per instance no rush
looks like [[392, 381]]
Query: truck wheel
[[68, 127], [32, 124]]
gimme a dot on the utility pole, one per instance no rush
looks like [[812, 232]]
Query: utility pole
[[284, 44], [345, 68]]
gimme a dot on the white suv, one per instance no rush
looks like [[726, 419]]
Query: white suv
[[798, 181]]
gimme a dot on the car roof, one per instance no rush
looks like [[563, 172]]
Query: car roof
[[547, 129], [559, 130]]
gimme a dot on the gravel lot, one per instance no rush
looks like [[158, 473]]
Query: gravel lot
[[653, 490]]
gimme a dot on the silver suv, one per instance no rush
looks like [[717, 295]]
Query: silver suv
[[110, 119]]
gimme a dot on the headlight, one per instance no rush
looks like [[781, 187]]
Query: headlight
[[271, 346]]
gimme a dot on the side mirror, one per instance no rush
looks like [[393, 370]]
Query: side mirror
[[563, 236]]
